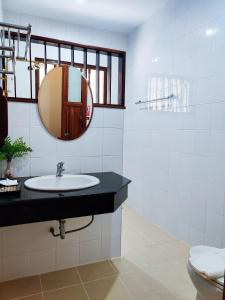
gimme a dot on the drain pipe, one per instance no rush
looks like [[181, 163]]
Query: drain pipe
[[62, 232]]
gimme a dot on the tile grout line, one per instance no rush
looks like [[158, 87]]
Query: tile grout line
[[82, 283], [24, 297], [67, 286], [102, 278], [42, 292], [114, 268], [61, 288], [125, 286]]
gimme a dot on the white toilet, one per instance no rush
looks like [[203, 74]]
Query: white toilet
[[207, 289]]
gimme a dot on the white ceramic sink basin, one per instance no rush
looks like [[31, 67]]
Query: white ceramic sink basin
[[63, 183]]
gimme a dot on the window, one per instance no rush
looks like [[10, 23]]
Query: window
[[104, 68], [160, 88]]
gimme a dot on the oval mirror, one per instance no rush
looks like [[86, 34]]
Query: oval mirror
[[65, 102]]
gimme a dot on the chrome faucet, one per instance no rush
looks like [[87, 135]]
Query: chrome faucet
[[60, 169]]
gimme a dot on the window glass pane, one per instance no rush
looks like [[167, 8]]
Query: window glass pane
[[102, 86], [74, 85], [114, 80], [22, 76], [52, 52], [103, 78], [93, 83], [103, 60], [37, 51], [78, 56], [91, 73], [65, 54]]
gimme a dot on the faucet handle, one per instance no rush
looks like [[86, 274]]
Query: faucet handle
[[60, 169], [60, 164]]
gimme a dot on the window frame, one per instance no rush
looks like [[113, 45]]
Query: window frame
[[45, 41]]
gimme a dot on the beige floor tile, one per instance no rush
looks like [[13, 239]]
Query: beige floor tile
[[20, 288], [33, 297], [71, 293], [165, 296], [140, 284], [153, 233], [107, 289], [96, 271], [173, 277], [122, 265], [146, 256], [158, 254], [175, 250], [59, 279], [172, 296]]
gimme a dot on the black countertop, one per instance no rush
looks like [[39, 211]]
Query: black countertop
[[37, 206]]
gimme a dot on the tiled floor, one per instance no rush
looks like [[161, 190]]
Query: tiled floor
[[152, 267]]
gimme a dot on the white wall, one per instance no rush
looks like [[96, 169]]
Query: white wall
[[69, 32], [177, 160], [1, 11], [30, 249]]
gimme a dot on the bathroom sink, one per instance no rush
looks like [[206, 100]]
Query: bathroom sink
[[63, 183]]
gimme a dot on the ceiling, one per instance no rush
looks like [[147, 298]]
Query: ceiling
[[115, 15]]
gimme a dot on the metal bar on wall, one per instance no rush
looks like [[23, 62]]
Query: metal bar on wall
[[72, 55], [109, 76], [14, 71], [85, 62], [31, 87], [224, 288], [97, 76], [59, 54], [3, 117], [45, 57], [121, 79], [4, 76]]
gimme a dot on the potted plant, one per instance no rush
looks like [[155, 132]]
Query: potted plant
[[12, 149]]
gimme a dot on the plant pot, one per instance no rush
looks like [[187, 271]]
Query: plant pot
[[9, 170]]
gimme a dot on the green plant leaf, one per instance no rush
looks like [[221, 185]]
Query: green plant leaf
[[11, 149]]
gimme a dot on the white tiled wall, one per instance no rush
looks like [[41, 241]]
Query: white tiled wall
[[69, 32], [30, 249], [99, 149], [1, 11], [177, 160]]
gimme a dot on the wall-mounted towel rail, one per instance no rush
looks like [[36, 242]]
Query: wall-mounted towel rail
[[9, 33], [156, 100]]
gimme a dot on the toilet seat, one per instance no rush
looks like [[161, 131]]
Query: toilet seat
[[207, 289], [220, 282], [201, 250]]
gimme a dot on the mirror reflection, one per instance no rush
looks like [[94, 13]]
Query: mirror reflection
[[65, 102]]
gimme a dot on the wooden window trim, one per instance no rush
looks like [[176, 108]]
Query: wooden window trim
[[45, 41]]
